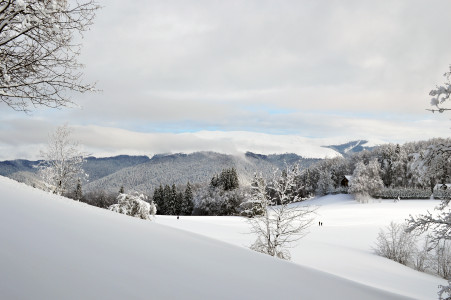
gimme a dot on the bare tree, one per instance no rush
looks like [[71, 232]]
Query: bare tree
[[281, 225], [38, 54], [442, 259], [62, 163], [422, 256]]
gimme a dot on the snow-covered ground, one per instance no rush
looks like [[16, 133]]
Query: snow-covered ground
[[342, 246], [56, 248]]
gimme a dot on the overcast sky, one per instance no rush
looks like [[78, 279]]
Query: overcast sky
[[325, 70]]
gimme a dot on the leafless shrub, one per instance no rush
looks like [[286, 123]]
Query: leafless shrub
[[395, 243]]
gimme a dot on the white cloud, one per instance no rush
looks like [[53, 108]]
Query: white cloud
[[24, 140], [352, 69]]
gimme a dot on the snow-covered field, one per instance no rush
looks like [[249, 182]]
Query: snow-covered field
[[56, 248], [342, 246]]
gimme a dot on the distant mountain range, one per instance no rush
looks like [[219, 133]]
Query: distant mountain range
[[350, 148], [142, 173]]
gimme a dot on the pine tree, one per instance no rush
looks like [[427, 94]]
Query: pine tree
[[234, 179], [167, 195], [399, 167], [121, 190], [188, 205], [172, 200], [178, 203], [308, 185], [215, 182], [78, 194], [227, 180], [158, 199]]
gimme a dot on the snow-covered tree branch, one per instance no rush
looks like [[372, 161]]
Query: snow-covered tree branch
[[38, 54], [134, 205], [281, 225], [365, 180], [441, 94], [256, 203], [439, 225], [432, 165], [445, 291]]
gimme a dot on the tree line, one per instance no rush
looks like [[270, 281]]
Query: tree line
[[169, 201]]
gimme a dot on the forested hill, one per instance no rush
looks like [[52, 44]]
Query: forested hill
[[144, 173], [195, 167]]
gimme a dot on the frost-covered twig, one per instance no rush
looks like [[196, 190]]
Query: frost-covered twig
[[38, 58], [441, 94]]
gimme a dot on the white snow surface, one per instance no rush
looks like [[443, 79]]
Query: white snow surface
[[56, 248], [343, 246]]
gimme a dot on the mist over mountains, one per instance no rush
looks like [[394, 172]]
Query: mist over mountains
[[144, 174]]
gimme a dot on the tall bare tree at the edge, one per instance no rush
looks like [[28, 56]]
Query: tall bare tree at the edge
[[438, 224], [38, 52]]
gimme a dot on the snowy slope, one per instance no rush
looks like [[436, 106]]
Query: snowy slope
[[343, 246], [55, 248]]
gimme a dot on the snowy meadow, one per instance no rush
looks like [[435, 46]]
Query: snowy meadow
[[84, 252]]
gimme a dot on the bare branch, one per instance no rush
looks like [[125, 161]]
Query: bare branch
[[279, 227], [441, 94], [38, 60]]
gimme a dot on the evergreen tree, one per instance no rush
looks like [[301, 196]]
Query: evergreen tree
[[178, 203], [158, 199], [385, 157], [121, 190], [234, 182], [167, 196], [172, 200], [227, 180], [188, 204], [399, 167], [78, 194], [308, 185], [215, 182]]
